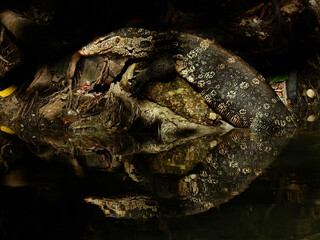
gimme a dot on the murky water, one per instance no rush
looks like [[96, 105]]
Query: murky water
[[239, 186]]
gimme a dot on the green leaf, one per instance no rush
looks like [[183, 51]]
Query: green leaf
[[278, 78]]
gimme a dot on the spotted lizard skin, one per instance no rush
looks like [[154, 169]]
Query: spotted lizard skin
[[228, 84]]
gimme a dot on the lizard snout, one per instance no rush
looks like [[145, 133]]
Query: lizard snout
[[83, 51]]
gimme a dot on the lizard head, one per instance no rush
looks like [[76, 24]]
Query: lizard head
[[101, 45], [132, 42]]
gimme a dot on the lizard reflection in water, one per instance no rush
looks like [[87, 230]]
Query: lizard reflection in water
[[225, 172], [229, 85]]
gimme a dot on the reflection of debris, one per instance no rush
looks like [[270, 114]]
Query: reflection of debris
[[295, 190], [130, 207]]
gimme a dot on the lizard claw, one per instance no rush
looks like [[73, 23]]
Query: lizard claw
[[137, 83], [136, 88]]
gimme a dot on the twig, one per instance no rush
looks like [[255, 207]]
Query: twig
[[1, 35], [26, 106], [3, 59], [1, 40]]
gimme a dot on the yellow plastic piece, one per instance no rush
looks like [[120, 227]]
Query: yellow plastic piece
[[8, 91], [7, 130]]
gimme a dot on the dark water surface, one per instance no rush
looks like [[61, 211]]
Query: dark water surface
[[240, 186]]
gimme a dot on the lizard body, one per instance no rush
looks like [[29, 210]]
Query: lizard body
[[229, 85]]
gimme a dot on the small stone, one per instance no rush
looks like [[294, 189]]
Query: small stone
[[311, 118], [213, 144], [72, 112], [193, 176], [311, 93], [212, 116]]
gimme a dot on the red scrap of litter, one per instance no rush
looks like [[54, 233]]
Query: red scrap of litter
[[85, 87]]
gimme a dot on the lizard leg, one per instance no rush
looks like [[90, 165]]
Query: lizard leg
[[70, 74], [157, 70], [104, 71]]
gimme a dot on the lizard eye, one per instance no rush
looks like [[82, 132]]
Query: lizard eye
[[83, 51], [117, 40]]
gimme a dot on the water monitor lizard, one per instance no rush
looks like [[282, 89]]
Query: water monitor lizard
[[228, 84]]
